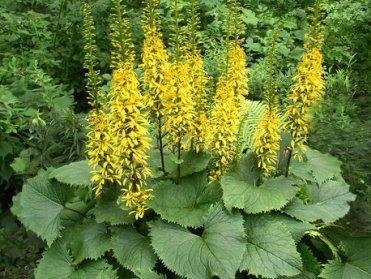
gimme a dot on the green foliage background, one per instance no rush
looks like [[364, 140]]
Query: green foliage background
[[43, 101]]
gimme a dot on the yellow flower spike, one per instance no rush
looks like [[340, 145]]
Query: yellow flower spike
[[266, 141], [93, 79], [122, 49], [227, 112], [98, 148], [308, 85], [122, 140], [198, 80], [238, 71], [155, 65], [178, 103], [224, 125]]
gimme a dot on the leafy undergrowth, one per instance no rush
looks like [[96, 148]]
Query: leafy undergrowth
[[343, 130], [19, 249], [196, 229]]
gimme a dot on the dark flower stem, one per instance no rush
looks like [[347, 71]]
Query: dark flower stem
[[178, 166], [161, 145], [289, 155]]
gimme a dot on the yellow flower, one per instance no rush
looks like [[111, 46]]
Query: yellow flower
[[155, 65], [198, 80], [238, 71], [179, 105], [129, 136], [305, 93], [118, 142], [266, 140], [308, 85], [122, 48], [227, 112], [99, 149]]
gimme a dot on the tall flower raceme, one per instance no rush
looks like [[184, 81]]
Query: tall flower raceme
[[93, 79], [119, 142], [238, 71], [198, 81], [98, 145], [231, 89], [178, 103], [308, 85], [120, 38], [99, 148], [129, 137], [198, 77], [227, 112], [179, 106], [266, 140], [155, 65]]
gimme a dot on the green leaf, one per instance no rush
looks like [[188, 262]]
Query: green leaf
[[186, 203], [42, 204], [249, 17], [88, 241], [217, 252], [97, 269], [57, 263], [76, 173], [357, 264], [107, 209], [154, 162], [108, 273], [19, 164], [271, 250], [6, 148], [297, 228], [253, 112], [133, 250], [310, 262], [318, 167], [190, 162], [240, 190], [327, 202], [17, 208], [149, 274]]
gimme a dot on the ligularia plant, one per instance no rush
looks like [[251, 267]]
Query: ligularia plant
[[197, 207]]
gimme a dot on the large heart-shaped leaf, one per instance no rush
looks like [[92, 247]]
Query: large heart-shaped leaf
[[240, 189], [58, 263], [133, 250], [108, 210], [89, 240], [41, 206], [186, 203], [317, 167], [76, 173], [216, 252], [327, 202], [274, 193], [357, 265], [296, 227], [271, 250]]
